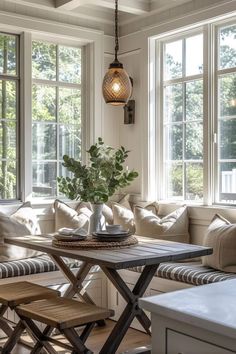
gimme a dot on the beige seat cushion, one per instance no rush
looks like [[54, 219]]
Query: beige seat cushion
[[221, 236], [173, 227], [22, 222], [66, 216]]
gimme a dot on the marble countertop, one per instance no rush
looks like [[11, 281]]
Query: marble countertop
[[212, 306]]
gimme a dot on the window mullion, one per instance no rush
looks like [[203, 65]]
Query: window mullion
[[26, 114]]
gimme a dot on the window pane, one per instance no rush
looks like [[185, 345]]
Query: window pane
[[44, 103], [69, 106], [7, 99], [194, 181], [174, 176], [194, 62], [194, 100], [8, 180], [174, 142], [43, 60], [227, 182], [44, 142], [227, 51], [227, 95], [174, 103], [194, 141], [8, 55], [44, 179], [7, 140], [227, 145], [70, 141], [173, 60], [63, 171], [70, 64]]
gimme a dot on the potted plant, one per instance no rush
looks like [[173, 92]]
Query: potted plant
[[98, 181]]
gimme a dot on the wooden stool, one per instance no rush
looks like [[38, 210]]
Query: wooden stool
[[62, 314], [14, 294]]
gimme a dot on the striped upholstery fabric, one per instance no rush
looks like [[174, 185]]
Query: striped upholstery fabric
[[28, 266], [194, 274]]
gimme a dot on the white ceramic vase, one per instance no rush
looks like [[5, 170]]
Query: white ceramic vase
[[95, 223]]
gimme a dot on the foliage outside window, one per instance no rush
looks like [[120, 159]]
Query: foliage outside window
[[56, 112], [183, 117], [9, 116]]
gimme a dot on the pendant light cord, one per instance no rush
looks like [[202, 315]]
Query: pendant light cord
[[116, 31]]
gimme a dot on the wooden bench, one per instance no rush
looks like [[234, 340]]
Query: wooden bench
[[14, 294], [62, 314]]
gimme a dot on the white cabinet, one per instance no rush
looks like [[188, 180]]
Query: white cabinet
[[178, 343], [201, 320]]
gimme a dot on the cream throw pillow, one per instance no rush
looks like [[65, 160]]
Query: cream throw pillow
[[22, 222], [124, 217], [66, 216], [108, 208], [221, 236], [173, 227]]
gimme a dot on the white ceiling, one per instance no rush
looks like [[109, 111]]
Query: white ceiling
[[96, 13]]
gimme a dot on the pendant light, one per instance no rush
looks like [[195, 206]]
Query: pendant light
[[116, 87]]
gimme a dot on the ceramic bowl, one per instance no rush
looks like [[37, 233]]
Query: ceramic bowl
[[113, 228]]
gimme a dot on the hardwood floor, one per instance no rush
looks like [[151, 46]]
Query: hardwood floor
[[98, 336]]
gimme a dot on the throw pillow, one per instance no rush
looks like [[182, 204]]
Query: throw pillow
[[22, 222], [173, 227], [66, 216], [124, 217], [107, 208], [221, 236]]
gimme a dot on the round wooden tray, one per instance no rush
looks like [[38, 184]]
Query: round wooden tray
[[95, 244]]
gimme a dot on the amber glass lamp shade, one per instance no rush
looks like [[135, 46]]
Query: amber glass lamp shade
[[116, 87]]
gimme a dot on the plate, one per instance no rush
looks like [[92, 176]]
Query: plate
[[118, 233], [111, 238], [69, 238]]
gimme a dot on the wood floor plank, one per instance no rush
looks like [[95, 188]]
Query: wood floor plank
[[132, 340]]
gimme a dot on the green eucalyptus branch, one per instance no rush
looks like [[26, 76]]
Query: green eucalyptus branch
[[98, 181]]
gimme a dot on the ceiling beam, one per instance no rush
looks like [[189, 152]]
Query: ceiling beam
[[136, 7]]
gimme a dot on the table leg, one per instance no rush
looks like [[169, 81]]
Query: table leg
[[132, 308], [76, 280]]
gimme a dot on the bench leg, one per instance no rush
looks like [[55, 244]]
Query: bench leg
[[86, 332], [5, 327], [13, 339], [38, 335], [75, 341]]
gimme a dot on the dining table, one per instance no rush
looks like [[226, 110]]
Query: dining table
[[147, 254]]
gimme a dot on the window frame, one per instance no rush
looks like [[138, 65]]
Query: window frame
[[216, 136], [60, 84], [210, 109], [160, 72], [17, 79]]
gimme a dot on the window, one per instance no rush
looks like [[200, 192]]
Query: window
[[226, 117], [183, 117], [195, 95], [9, 116], [56, 112]]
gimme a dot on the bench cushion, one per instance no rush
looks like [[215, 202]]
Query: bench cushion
[[189, 273], [195, 274], [28, 266]]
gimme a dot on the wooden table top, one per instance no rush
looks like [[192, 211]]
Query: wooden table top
[[148, 251]]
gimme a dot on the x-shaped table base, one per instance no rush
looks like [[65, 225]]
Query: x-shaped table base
[[132, 308]]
